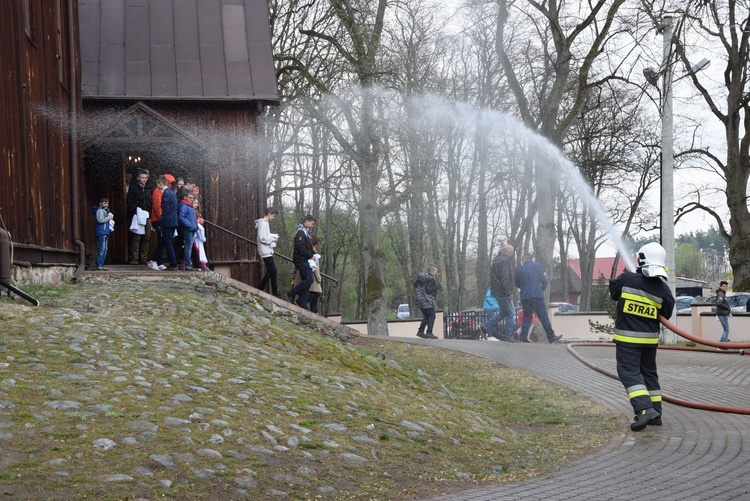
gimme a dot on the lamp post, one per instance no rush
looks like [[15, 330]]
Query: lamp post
[[667, 163], [667, 153]]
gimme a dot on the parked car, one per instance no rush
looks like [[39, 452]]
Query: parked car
[[565, 307], [403, 311], [737, 300], [682, 304]]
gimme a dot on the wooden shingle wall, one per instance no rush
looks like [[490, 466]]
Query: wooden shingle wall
[[35, 176]]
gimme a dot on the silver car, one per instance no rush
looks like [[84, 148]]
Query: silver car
[[737, 300]]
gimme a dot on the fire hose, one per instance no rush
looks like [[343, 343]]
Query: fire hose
[[727, 347]]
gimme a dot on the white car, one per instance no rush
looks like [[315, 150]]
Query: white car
[[403, 311]]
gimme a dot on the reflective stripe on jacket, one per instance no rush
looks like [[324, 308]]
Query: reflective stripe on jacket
[[640, 301]]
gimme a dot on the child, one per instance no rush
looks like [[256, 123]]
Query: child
[[102, 228], [200, 239], [315, 289], [188, 224]]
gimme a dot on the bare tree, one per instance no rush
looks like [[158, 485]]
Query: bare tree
[[550, 90], [726, 24]]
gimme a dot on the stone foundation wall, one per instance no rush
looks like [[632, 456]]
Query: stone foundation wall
[[42, 275]]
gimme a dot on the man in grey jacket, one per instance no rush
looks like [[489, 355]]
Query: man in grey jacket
[[266, 243], [501, 284]]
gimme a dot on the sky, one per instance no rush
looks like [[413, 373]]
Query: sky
[[686, 103]]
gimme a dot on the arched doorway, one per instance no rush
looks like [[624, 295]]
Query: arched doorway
[[122, 142]]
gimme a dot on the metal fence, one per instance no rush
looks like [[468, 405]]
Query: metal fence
[[465, 324]]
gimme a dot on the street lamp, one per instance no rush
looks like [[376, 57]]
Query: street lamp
[[667, 151]]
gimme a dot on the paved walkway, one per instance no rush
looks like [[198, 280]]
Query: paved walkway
[[696, 455]]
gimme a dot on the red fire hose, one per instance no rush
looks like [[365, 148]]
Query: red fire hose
[[731, 348]]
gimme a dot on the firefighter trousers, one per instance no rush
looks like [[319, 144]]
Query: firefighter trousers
[[636, 366]]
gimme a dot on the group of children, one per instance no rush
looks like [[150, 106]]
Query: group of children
[[175, 219]]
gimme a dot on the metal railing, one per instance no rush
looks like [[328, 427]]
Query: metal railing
[[334, 282]]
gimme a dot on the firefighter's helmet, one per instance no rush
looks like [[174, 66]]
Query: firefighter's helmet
[[652, 261]]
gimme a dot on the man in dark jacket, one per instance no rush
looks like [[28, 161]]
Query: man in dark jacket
[[168, 220], [723, 310], [501, 284], [532, 281], [139, 197], [303, 251], [641, 297]]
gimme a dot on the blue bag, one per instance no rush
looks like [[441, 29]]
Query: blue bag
[[490, 303]]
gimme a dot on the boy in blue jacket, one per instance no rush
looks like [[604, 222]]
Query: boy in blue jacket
[[102, 229], [188, 224]]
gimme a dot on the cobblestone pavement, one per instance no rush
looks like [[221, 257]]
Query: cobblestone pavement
[[696, 455]]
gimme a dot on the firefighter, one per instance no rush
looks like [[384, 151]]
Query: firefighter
[[641, 297]]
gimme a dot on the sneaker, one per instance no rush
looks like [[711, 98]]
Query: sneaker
[[422, 335], [153, 265], [510, 340], [483, 333], [291, 298], [162, 267], [655, 421], [99, 268], [171, 268], [492, 338], [640, 421], [527, 340], [204, 267], [555, 338], [430, 336]]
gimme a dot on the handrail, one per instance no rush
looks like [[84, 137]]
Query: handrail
[[335, 282]]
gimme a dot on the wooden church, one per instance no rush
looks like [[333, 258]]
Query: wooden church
[[169, 86]]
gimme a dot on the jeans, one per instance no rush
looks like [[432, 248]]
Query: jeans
[[166, 237], [101, 250], [314, 297], [428, 320], [270, 276], [188, 238], [724, 321], [508, 313], [302, 289], [158, 255], [536, 305]]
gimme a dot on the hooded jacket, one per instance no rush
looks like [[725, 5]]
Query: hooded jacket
[[265, 239], [427, 288], [186, 217], [101, 227], [303, 249]]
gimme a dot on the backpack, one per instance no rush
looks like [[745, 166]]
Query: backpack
[[490, 303]]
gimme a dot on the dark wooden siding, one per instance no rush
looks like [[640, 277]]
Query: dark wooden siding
[[228, 163], [235, 174], [35, 180]]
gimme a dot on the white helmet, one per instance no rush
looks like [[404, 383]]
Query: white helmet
[[652, 261]]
